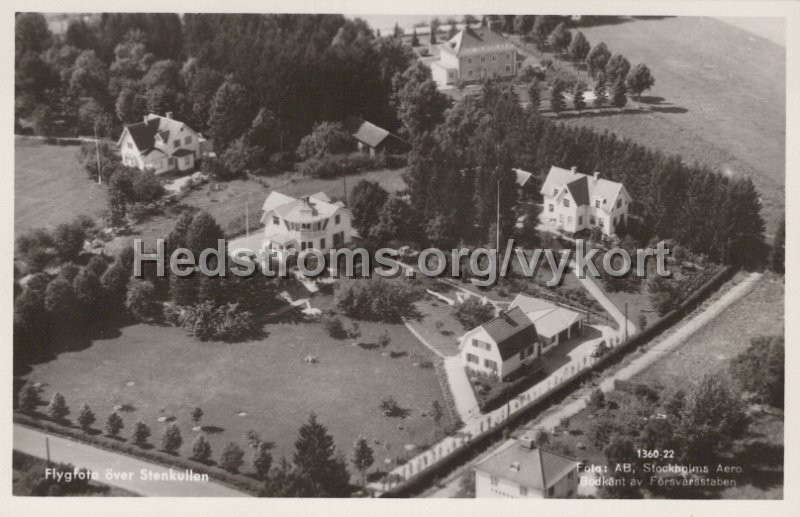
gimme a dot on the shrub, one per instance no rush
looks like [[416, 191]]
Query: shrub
[[232, 457], [140, 300], [225, 322], [140, 434], [86, 418], [390, 407], [334, 327], [333, 166], [472, 313], [378, 300], [171, 440], [597, 401], [325, 139], [114, 425], [146, 188], [201, 449], [58, 409]]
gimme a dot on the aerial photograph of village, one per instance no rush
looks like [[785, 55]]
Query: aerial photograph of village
[[189, 186]]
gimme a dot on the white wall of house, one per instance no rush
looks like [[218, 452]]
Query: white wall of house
[[563, 211], [183, 138], [477, 358], [336, 233], [487, 485]]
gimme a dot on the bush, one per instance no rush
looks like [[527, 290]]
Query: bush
[[332, 166], [146, 188], [327, 138], [225, 322], [334, 327], [232, 457], [473, 313], [378, 300]]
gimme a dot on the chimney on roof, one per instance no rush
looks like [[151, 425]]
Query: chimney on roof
[[526, 442], [596, 175], [169, 115], [573, 169]]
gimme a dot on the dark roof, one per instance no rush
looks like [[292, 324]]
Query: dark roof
[[144, 134], [182, 152], [531, 467], [367, 132], [580, 190], [512, 330], [478, 39]]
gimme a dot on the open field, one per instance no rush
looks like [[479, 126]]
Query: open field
[[266, 378], [720, 93], [50, 187]]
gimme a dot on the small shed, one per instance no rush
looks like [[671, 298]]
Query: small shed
[[373, 139]]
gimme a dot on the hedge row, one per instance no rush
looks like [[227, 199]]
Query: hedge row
[[237, 481], [478, 444]]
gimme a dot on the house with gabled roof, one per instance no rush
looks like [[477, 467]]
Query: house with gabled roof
[[574, 201], [501, 345], [372, 139], [314, 221], [520, 469], [160, 144], [474, 54]]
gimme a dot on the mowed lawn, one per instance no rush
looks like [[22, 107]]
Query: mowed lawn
[[267, 379], [50, 187], [719, 97]]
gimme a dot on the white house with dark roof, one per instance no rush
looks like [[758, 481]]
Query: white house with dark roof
[[313, 221], [502, 345], [160, 144], [520, 469], [554, 324], [574, 201], [475, 54]]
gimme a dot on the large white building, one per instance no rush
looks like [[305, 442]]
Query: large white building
[[574, 201], [161, 144], [520, 469], [475, 54], [309, 222]]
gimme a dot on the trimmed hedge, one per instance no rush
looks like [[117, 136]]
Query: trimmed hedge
[[237, 481]]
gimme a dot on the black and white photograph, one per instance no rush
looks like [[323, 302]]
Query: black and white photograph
[[334, 254]]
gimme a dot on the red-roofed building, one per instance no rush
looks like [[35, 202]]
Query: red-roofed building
[[475, 54], [520, 469]]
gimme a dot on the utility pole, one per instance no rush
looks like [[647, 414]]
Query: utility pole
[[97, 154], [497, 222], [626, 322], [344, 180], [247, 216], [47, 448]]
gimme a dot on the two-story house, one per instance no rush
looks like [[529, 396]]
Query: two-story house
[[160, 144], [475, 54], [500, 346], [309, 222], [574, 201], [520, 469]]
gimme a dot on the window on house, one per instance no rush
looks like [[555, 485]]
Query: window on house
[[470, 73], [619, 203], [508, 68], [130, 145], [276, 219], [337, 219], [322, 244], [488, 363], [469, 61], [569, 219], [580, 219], [566, 202], [187, 140], [591, 219], [483, 59], [187, 160], [552, 207], [508, 56], [555, 191], [570, 475], [477, 343], [569, 493], [600, 221], [494, 58], [176, 143], [597, 203], [493, 480], [551, 491], [560, 218], [523, 491], [472, 358]]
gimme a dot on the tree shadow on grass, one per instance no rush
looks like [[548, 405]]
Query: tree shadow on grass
[[212, 429], [127, 408], [369, 346]]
